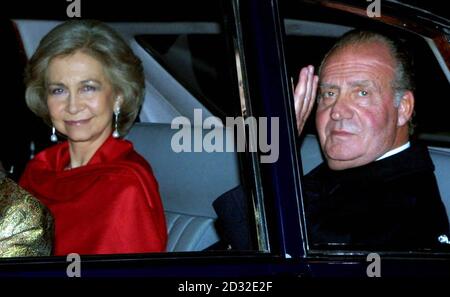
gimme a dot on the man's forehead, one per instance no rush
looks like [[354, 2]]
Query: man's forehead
[[359, 63], [352, 83], [369, 53]]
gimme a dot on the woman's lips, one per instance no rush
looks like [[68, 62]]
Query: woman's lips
[[77, 123]]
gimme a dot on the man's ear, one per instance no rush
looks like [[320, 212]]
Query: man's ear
[[405, 108]]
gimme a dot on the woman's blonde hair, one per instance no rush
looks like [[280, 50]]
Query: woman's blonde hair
[[96, 39]]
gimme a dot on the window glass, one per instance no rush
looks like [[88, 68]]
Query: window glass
[[201, 62]]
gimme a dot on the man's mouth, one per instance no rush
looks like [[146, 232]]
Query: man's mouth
[[341, 133]]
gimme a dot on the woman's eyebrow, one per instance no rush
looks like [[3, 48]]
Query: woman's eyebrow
[[90, 81], [55, 84]]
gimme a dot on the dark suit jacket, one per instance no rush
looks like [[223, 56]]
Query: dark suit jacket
[[387, 204], [233, 222]]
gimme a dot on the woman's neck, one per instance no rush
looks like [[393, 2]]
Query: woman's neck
[[81, 152]]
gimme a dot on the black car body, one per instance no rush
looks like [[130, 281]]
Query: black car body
[[264, 42]]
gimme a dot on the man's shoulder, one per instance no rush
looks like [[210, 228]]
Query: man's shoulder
[[315, 175], [414, 162]]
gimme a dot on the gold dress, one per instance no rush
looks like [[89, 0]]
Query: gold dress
[[26, 226]]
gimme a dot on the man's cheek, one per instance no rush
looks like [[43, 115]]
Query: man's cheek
[[321, 122]]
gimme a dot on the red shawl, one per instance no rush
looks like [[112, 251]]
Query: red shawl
[[111, 205]]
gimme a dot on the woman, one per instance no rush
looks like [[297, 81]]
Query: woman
[[26, 226], [88, 85]]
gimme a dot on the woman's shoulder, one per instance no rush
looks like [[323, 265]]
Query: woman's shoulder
[[126, 161], [45, 161], [50, 154], [52, 150], [130, 168], [131, 157]]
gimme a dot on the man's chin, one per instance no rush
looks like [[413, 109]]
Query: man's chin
[[339, 165], [342, 162]]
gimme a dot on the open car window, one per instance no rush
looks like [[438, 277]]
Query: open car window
[[191, 89], [310, 31]]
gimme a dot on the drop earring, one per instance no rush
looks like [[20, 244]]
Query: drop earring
[[53, 137], [116, 122]]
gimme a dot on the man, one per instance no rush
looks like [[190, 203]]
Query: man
[[376, 189]]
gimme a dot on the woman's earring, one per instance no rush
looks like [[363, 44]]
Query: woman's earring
[[53, 137], [116, 122]]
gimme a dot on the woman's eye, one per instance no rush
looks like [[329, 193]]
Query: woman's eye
[[89, 88], [57, 91]]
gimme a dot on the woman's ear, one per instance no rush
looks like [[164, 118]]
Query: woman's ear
[[405, 108], [118, 102]]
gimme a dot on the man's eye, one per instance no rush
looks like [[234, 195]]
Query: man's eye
[[328, 94], [326, 97], [363, 93]]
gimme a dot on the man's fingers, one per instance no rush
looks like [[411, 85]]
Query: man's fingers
[[306, 91], [315, 85], [299, 94], [304, 95], [315, 81], [301, 85], [309, 81]]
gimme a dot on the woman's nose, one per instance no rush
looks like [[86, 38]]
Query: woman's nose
[[74, 105]]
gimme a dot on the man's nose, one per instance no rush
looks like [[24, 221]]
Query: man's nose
[[341, 110]]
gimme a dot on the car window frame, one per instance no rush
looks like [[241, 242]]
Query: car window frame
[[435, 35]]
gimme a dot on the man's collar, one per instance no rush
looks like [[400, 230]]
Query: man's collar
[[414, 159], [394, 151]]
